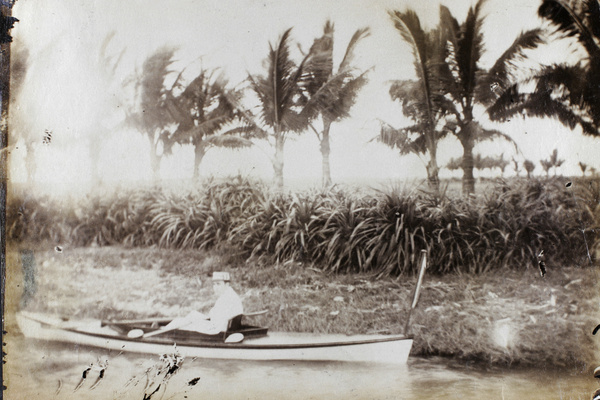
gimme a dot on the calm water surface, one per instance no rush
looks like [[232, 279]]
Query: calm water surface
[[42, 370]]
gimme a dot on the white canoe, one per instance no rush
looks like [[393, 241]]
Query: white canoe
[[275, 346]]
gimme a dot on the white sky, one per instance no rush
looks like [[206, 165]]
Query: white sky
[[65, 90]]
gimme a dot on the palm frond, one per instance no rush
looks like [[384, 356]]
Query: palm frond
[[330, 94], [248, 130], [228, 141], [203, 108], [340, 108], [449, 23], [499, 77], [249, 124], [409, 26], [470, 48], [539, 104], [336, 97], [154, 96], [319, 65], [592, 16], [575, 19], [402, 139], [450, 75], [278, 91], [349, 55], [421, 99], [492, 134]]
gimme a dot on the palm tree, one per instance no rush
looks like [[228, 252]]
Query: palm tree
[[480, 162], [154, 113], [283, 105], [516, 166], [569, 93], [583, 166], [467, 83], [204, 107], [546, 165], [336, 91], [529, 167], [500, 162], [581, 20], [454, 164], [422, 100], [554, 161]]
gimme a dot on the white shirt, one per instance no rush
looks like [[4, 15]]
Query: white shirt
[[227, 306]]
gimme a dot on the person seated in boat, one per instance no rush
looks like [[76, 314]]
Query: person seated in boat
[[227, 306]]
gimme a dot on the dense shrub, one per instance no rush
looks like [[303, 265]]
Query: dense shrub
[[339, 231]]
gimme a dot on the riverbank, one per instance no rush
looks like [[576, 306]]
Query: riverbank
[[499, 318]]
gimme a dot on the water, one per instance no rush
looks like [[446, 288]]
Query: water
[[43, 370]]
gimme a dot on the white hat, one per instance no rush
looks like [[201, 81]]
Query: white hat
[[221, 276]]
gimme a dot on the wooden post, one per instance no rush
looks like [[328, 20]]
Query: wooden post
[[417, 289]]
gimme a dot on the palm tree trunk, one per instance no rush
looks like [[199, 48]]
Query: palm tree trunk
[[154, 160], [432, 176], [432, 166], [468, 181], [278, 160], [199, 152], [325, 152]]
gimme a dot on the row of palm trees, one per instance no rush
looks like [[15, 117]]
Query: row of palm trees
[[481, 162], [293, 97], [310, 94], [450, 81]]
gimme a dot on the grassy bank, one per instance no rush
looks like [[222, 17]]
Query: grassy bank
[[337, 230], [509, 317]]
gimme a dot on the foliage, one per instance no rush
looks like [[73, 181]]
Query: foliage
[[552, 162], [583, 166], [283, 107], [335, 91], [335, 230], [567, 92], [466, 83], [481, 162], [153, 115], [205, 106], [529, 167], [422, 100]]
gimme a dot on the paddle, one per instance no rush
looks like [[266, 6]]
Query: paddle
[[234, 338], [417, 288], [135, 321], [137, 333], [255, 313]]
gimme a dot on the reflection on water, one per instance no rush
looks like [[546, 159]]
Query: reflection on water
[[42, 370]]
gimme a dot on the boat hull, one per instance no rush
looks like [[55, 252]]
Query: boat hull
[[276, 346]]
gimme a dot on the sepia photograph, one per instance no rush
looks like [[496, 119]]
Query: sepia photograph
[[283, 199]]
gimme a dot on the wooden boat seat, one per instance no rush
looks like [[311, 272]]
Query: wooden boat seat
[[235, 323]]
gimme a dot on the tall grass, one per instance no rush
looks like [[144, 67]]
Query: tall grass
[[336, 230]]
